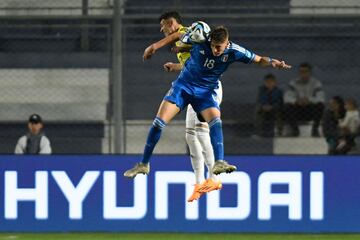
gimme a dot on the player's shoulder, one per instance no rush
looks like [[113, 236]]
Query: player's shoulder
[[182, 29], [236, 48]]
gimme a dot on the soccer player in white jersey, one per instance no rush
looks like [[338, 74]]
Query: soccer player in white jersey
[[197, 132], [196, 85]]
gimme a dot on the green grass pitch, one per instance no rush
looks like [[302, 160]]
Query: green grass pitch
[[172, 236]]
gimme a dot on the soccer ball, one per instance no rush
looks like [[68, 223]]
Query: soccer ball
[[199, 31]]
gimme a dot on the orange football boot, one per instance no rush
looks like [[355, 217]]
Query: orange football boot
[[196, 194], [210, 185]]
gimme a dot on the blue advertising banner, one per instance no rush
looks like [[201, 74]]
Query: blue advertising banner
[[266, 194]]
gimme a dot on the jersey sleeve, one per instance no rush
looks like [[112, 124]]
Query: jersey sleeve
[[242, 54]]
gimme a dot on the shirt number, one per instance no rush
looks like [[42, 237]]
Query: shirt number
[[209, 63]]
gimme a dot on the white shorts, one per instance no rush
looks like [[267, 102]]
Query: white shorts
[[191, 116]]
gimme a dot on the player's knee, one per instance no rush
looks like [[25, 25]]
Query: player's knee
[[200, 118], [159, 123], [190, 135], [202, 128], [215, 122]]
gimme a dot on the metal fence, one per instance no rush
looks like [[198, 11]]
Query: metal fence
[[61, 67], [323, 41], [59, 70]]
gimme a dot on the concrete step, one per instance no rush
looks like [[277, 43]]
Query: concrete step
[[54, 111], [53, 94], [300, 145], [54, 77]]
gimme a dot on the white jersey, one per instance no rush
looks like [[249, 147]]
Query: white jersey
[[191, 116]]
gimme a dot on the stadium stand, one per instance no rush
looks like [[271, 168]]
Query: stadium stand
[[215, 7], [337, 7], [277, 28], [45, 69], [40, 7], [264, 33]]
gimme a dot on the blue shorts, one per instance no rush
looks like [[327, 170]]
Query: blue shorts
[[183, 94]]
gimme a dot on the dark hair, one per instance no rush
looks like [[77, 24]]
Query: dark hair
[[352, 101], [340, 101], [168, 15], [219, 34], [305, 65], [269, 76]]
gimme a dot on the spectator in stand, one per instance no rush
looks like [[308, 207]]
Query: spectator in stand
[[269, 105], [304, 101], [349, 127], [35, 141], [330, 123]]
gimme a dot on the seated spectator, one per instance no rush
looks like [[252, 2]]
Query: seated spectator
[[268, 109], [349, 127], [35, 141], [304, 101], [330, 123]]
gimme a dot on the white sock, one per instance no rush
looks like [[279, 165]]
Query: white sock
[[202, 134], [196, 155]]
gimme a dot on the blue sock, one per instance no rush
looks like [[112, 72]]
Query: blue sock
[[153, 138], [216, 136]]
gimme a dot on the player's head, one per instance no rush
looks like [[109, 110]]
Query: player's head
[[35, 124], [219, 40], [169, 22], [305, 71], [270, 81]]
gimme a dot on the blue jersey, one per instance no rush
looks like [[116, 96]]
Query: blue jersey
[[203, 69], [200, 76]]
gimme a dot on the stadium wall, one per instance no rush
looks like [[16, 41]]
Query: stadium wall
[[267, 194]]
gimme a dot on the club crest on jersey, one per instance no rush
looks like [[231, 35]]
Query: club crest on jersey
[[224, 58]]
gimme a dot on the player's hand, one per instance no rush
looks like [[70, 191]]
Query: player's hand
[[170, 67], [149, 51], [279, 64]]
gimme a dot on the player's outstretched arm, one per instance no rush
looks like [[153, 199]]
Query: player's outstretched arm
[[150, 50], [267, 61], [180, 49]]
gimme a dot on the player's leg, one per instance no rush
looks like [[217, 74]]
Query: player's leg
[[196, 153], [166, 113], [203, 135], [212, 116], [195, 147], [174, 101]]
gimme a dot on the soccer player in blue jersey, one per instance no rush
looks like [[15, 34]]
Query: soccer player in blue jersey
[[197, 132], [196, 85]]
